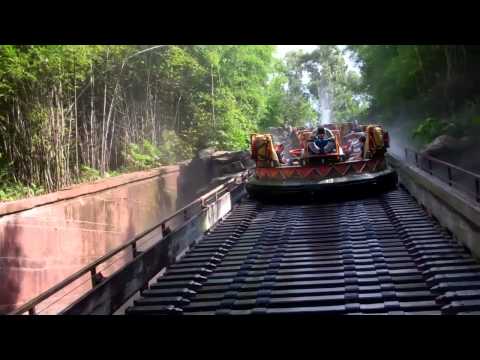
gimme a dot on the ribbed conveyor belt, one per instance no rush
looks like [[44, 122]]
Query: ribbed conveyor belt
[[379, 255]]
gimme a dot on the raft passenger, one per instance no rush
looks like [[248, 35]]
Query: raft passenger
[[355, 150], [321, 143]]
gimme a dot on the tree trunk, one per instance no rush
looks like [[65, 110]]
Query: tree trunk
[[103, 140], [92, 114], [420, 62], [76, 117], [213, 98], [448, 78], [177, 124]]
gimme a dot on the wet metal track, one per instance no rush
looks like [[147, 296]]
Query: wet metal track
[[379, 255]]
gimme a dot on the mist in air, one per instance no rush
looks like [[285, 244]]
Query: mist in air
[[325, 109]]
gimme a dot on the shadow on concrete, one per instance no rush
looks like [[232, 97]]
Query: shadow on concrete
[[194, 179], [10, 270], [208, 170], [164, 198]]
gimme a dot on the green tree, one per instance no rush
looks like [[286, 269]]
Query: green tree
[[331, 83], [67, 108]]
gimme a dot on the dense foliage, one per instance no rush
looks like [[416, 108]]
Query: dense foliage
[[313, 88], [436, 87], [332, 84], [75, 113], [288, 100], [67, 112]]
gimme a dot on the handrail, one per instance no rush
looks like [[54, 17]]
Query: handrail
[[449, 167], [428, 157], [91, 268]]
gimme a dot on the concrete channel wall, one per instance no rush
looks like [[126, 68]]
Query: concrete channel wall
[[47, 238], [453, 209]]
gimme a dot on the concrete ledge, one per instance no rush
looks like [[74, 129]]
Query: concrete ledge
[[453, 209], [106, 298], [84, 189], [44, 239]]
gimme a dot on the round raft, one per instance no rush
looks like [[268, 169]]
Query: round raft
[[326, 173]]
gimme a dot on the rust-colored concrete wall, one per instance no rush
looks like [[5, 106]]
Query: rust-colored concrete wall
[[47, 238]]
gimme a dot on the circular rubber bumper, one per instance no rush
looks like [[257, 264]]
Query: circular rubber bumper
[[334, 187]]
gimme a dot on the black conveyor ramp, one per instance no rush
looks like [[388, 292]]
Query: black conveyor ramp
[[381, 255]]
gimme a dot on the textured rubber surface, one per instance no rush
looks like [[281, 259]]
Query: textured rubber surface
[[332, 188], [379, 255]]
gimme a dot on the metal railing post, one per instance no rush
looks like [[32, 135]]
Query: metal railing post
[[477, 189], [93, 273], [134, 250]]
